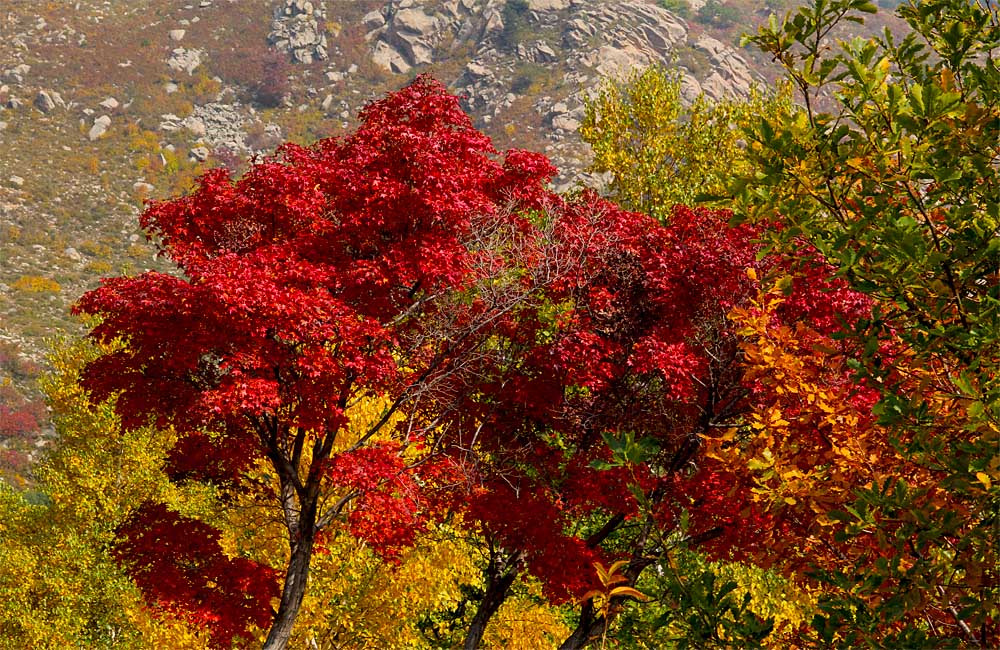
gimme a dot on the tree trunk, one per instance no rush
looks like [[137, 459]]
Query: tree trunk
[[502, 574], [589, 628], [291, 594]]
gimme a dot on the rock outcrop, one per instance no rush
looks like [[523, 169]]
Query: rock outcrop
[[552, 53], [296, 28], [589, 37]]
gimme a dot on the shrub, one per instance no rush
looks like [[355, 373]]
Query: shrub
[[718, 14], [680, 7], [36, 284]]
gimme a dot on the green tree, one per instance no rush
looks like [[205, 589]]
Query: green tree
[[889, 171]]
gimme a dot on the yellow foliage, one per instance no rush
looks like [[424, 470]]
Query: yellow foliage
[[36, 284], [57, 580], [359, 601], [660, 152]]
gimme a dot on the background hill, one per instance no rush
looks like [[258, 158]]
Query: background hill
[[107, 103]]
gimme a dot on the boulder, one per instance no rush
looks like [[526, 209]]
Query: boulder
[[196, 126], [199, 154], [184, 60], [99, 128], [548, 5], [44, 102], [17, 74], [373, 20], [388, 58]]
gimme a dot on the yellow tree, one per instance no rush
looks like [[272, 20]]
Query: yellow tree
[[60, 587], [659, 151]]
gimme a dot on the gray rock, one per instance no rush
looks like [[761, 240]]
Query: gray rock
[[373, 20], [44, 102], [3, 125], [327, 103], [195, 125], [73, 254], [17, 74], [388, 58], [200, 154], [177, 34], [544, 53], [296, 28], [548, 5], [170, 122], [414, 21], [99, 128], [184, 60], [14, 103], [565, 122], [223, 126], [109, 104], [16, 181]]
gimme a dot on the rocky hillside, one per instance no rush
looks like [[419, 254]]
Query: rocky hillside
[[107, 103]]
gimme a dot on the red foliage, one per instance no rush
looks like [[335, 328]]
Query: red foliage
[[18, 422], [387, 512], [511, 327], [178, 564], [19, 415]]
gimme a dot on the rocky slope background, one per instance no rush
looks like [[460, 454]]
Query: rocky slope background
[[107, 103]]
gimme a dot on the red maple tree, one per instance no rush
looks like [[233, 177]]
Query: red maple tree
[[557, 359], [362, 266]]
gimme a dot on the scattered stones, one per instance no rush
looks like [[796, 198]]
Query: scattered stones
[[17, 74], [99, 128], [14, 103], [199, 154], [296, 28], [223, 126]]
